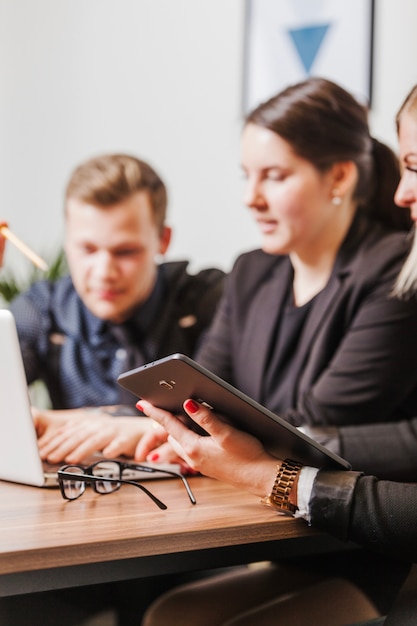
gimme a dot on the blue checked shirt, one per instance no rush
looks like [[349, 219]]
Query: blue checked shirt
[[79, 357]]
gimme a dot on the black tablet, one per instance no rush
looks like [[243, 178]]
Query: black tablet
[[168, 382]]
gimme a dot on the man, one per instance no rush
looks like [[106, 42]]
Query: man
[[117, 309]]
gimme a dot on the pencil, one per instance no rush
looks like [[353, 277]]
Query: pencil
[[36, 260]]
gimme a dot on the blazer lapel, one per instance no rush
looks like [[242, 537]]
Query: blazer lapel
[[262, 318], [329, 298], [322, 307]]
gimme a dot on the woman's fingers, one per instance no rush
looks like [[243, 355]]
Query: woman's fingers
[[169, 422]]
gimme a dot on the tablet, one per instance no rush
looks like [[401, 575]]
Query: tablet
[[168, 382]]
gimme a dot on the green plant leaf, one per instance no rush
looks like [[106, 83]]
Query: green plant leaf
[[10, 286]]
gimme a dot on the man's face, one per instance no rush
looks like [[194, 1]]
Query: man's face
[[111, 254]]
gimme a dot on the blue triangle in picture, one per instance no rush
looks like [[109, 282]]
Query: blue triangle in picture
[[307, 42]]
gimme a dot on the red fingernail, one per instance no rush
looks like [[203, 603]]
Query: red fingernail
[[139, 407], [155, 457], [191, 406]]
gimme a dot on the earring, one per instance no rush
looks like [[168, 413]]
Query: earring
[[336, 200]]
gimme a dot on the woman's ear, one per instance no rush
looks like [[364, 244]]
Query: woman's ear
[[344, 178]]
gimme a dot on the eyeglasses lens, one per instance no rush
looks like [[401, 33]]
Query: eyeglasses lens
[[73, 488], [106, 469]]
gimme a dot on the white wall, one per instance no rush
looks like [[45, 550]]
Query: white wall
[[157, 78], [395, 63]]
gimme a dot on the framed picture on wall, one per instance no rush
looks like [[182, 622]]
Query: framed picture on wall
[[287, 41]]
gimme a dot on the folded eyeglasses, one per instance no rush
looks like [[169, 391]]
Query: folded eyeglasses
[[107, 476]]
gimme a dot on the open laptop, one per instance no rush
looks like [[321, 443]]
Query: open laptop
[[20, 460], [19, 455]]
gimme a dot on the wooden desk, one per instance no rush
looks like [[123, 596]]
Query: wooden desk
[[48, 543]]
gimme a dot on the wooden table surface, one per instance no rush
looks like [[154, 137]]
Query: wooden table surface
[[47, 542]]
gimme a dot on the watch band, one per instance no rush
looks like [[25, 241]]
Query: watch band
[[284, 481]]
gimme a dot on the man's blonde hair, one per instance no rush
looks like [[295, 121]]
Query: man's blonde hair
[[111, 178]]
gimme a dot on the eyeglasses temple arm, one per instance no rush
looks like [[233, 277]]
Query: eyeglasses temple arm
[[157, 501], [146, 468]]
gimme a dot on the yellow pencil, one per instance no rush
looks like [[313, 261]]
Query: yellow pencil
[[36, 260]]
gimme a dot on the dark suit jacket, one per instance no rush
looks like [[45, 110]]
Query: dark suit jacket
[[388, 450], [377, 514], [359, 344]]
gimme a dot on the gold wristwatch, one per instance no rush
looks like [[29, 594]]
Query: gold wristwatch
[[279, 498]]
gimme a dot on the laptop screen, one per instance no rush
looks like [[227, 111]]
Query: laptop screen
[[19, 455]]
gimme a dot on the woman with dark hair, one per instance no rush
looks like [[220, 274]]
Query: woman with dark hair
[[307, 325]]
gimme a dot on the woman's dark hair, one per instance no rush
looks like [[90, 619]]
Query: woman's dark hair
[[325, 124]]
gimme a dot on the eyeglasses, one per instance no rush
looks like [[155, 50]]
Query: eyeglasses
[[107, 476]]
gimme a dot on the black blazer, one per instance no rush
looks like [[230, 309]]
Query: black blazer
[[388, 450], [358, 346], [377, 514]]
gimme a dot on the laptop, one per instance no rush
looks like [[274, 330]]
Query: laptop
[[20, 460]]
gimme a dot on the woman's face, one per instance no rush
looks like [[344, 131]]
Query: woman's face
[[406, 194], [290, 199]]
